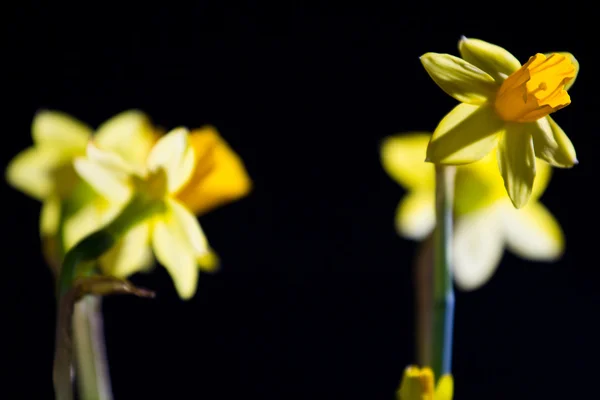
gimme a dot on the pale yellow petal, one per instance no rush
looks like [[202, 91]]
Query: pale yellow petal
[[31, 171], [466, 134], [460, 79], [219, 176], [477, 248], [493, 59], [209, 261], [87, 219], [60, 131], [130, 134], [573, 61], [50, 216], [543, 173], [552, 144], [103, 180], [133, 253], [403, 158], [175, 156], [533, 233], [178, 241], [109, 160], [415, 215], [478, 185], [445, 388], [516, 160]]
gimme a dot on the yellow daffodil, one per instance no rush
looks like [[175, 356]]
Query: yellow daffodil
[[184, 174], [418, 384], [503, 105], [45, 170], [486, 222]]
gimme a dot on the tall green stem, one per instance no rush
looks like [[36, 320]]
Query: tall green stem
[[423, 275], [443, 291], [93, 379]]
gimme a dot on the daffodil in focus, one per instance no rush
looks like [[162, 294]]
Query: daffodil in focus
[[184, 174], [419, 384], [485, 221], [504, 105], [45, 172]]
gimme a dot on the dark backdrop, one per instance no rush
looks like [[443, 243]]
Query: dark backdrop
[[315, 298]]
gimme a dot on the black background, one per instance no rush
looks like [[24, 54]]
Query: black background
[[315, 296]]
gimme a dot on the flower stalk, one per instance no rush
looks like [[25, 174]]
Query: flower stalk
[[443, 291]]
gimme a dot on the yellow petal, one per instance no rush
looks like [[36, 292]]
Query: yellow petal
[[478, 247], [445, 388], [50, 216], [209, 261], [573, 61], [533, 233], [493, 59], [131, 254], [466, 134], [60, 131], [103, 180], [543, 173], [460, 79], [417, 384], [415, 215], [403, 158], [219, 175], [130, 134], [178, 241], [31, 171], [516, 160], [90, 217], [552, 144], [175, 156]]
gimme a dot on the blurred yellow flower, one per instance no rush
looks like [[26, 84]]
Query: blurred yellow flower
[[184, 174], [418, 384], [45, 171], [503, 105], [486, 222]]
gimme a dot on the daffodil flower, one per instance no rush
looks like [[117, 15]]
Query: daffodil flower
[[485, 220], [418, 384], [183, 174], [45, 171], [504, 105]]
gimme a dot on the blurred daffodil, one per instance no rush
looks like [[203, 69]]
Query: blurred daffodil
[[486, 222], [184, 174], [503, 105], [418, 384], [45, 172]]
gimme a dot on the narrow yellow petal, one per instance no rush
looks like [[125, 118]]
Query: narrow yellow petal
[[50, 216], [552, 144], [543, 173], [103, 180], [219, 175], [90, 217], [477, 248], [175, 156], [130, 134], [533, 233], [189, 227], [31, 171], [466, 134], [445, 388], [460, 79], [573, 61], [493, 59], [133, 253], [175, 256], [516, 160], [415, 215], [209, 261], [403, 158], [60, 131]]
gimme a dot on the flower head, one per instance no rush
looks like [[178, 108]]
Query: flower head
[[505, 106], [177, 170], [418, 384], [486, 221]]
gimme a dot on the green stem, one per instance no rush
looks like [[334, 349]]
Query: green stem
[[423, 275], [93, 379], [443, 291]]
